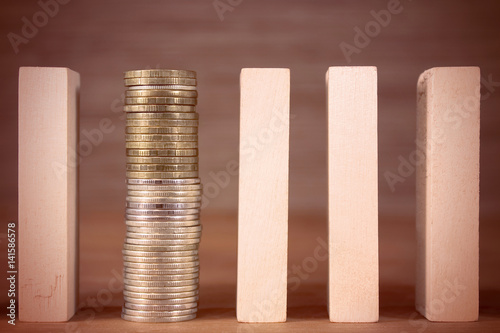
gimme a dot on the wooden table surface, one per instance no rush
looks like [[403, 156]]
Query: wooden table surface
[[101, 39]]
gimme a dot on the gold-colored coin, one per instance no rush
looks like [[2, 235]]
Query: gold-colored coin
[[162, 152], [161, 137], [169, 194], [161, 130], [163, 116], [162, 160], [161, 80], [154, 175], [162, 93], [160, 100], [159, 108], [161, 145], [160, 73], [162, 167]]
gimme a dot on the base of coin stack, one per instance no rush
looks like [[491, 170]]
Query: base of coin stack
[[160, 253]]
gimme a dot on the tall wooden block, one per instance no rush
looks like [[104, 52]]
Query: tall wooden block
[[48, 175], [263, 195], [352, 194], [448, 194]]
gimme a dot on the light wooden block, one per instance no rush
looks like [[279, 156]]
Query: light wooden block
[[353, 281], [263, 195], [448, 194], [48, 209]]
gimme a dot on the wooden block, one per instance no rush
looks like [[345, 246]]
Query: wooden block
[[48, 210], [448, 194], [352, 194], [263, 195]]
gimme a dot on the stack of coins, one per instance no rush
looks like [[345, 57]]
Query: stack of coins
[[160, 253]]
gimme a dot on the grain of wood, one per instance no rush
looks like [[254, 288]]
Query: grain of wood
[[448, 194], [48, 208], [352, 194], [263, 195]]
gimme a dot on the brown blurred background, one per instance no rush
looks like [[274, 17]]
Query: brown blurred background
[[102, 39]]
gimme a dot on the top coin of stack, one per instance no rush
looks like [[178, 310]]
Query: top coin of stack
[[160, 253]]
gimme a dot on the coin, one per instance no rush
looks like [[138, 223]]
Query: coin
[[162, 152], [136, 108], [172, 193], [159, 73], [151, 307], [159, 223], [162, 86], [172, 236], [166, 230], [160, 289], [159, 260], [160, 100], [161, 130], [160, 277], [146, 313], [163, 212], [165, 199], [160, 137], [172, 319], [170, 205], [162, 122], [154, 175], [161, 93], [164, 116], [171, 301], [162, 160], [167, 248], [161, 145], [161, 242], [166, 80], [159, 284], [168, 271], [165, 295], [162, 167], [165, 188], [159, 254], [163, 182]]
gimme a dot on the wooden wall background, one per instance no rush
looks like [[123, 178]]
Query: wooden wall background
[[101, 39]]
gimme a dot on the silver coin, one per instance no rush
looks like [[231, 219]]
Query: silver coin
[[160, 277], [165, 295], [186, 220], [165, 248], [184, 237], [170, 301], [160, 259], [147, 224], [192, 187], [178, 181], [164, 200], [166, 271], [170, 206], [145, 313], [166, 307], [172, 319], [160, 289], [158, 284], [160, 254], [166, 230], [173, 265], [162, 212], [159, 194]]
